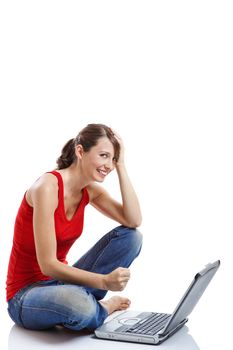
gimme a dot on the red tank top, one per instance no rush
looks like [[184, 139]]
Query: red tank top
[[23, 268]]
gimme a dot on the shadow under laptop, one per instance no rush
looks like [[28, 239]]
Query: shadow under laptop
[[60, 338]]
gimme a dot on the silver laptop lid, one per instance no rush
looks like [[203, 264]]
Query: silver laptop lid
[[191, 296]]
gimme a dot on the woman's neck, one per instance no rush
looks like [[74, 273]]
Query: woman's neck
[[73, 178]]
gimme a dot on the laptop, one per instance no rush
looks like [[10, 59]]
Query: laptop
[[153, 327]]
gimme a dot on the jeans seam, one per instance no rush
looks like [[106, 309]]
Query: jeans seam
[[69, 320], [114, 234], [43, 309], [21, 299], [103, 250]]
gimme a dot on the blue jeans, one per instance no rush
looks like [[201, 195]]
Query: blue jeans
[[46, 304]]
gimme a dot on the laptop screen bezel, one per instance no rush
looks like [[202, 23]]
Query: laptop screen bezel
[[172, 323]]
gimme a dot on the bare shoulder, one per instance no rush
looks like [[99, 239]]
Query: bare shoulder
[[44, 187], [94, 191]]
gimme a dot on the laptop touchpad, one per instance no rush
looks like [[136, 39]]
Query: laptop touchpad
[[129, 321]]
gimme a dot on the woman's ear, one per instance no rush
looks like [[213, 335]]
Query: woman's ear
[[79, 151]]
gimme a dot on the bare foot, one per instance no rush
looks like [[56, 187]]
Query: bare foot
[[115, 303]]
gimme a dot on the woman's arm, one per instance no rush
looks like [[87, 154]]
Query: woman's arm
[[128, 213], [44, 199]]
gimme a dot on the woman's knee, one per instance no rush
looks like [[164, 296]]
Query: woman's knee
[[77, 301], [84, 312], [132, 236]]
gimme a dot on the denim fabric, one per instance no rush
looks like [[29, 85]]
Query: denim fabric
[[46, 304]]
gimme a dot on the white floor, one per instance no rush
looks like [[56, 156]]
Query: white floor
[[185, 339], [60, 339]]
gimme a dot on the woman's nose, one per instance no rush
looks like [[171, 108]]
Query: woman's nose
[[109, 164]]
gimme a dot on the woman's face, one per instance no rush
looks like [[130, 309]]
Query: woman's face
[[99, 161]]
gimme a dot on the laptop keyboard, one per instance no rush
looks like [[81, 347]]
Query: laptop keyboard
[[149, 326]]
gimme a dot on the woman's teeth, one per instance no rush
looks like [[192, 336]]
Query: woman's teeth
[[102, 172]]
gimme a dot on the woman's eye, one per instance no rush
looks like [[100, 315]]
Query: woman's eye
[[104, 155]]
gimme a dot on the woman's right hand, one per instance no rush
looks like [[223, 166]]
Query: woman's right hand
[[117, 279]]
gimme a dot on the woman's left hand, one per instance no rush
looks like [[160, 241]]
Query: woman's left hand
[[122, 149]]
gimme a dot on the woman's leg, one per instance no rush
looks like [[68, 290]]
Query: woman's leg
[[118, 248], [51, 303], [46, 304]]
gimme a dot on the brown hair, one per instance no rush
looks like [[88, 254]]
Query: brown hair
[[88, 137]]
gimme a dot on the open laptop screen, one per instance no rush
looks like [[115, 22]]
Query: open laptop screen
[[191, 296]]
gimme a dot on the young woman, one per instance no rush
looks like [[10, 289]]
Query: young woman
[[42, 289]]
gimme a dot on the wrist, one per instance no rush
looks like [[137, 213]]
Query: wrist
[[120, 166], [103, 282]]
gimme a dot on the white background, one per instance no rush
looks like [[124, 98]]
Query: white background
[[160, 73]]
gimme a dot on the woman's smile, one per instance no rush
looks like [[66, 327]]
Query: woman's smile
[[102, 172]]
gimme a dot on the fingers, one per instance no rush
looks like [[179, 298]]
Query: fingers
[[116, 135], [120, 141], [123, 277], [113, 131], [124, 272], [117, 279]]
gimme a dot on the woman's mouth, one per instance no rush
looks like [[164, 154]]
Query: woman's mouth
[[103, 173]]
